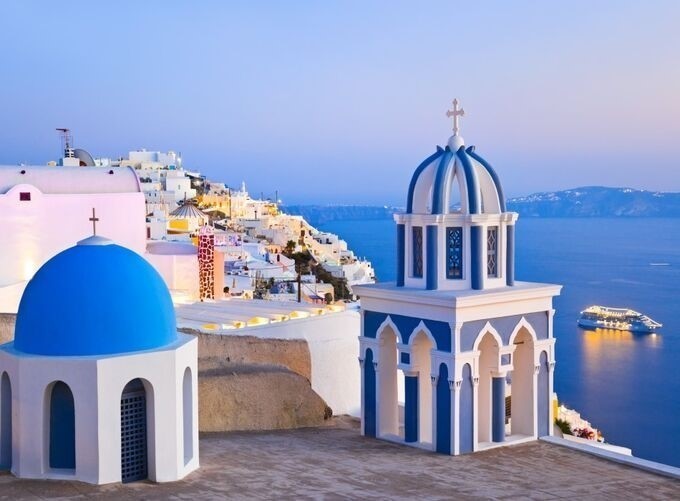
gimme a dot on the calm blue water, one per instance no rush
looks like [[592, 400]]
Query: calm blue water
[[626, 385]]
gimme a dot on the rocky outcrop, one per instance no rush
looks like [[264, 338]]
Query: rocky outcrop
[[255, 397], [250, 383]]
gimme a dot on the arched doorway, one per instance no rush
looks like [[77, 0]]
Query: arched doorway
[[488, 363], [5, 423], [522, 410], [388, 405], [188, 415], [421, 361], [62, 428], [133, 432]]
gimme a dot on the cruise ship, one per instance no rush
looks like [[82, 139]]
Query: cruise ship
[[623, 319]]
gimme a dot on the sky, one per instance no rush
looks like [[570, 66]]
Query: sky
[[338, 102]]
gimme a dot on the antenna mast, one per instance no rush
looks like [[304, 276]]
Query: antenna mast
[[66, 142]]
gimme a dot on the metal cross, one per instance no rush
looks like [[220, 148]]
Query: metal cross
[[94, 220], [455, 113]]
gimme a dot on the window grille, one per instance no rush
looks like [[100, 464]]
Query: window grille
[[454, 252], [417, 251], [492, 252]]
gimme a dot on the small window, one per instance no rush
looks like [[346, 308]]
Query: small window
[[417, 251], [454, 252], [25, 196], [492, 252]]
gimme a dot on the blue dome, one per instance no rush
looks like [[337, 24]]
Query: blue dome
[[96, 298]]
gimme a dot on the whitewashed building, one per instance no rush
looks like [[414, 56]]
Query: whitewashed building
[[456, 331], [45, 209], [98, 386]]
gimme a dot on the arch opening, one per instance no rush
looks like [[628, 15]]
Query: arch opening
[[62, 427], [388, 391], [188, 415], [369, 395], [488, 364], [134, 432], [421, 361], [522, 387], [5, 423]]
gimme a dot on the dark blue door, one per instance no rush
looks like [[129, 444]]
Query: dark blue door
[[443, 411], [62, 428]]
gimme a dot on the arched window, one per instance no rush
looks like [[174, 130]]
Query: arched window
[[5, 423], [188, 416], [62, 427]]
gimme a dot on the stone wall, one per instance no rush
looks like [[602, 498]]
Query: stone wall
[[7, 321], [292, 354]]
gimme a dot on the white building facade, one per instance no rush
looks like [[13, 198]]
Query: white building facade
[[456, 335], [45, 209]]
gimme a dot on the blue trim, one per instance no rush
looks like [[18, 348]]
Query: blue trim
[[62, 428], [416, 175], [441, 331], [498, 409], [439, 186], [466, 425], [411, 409], [476, 255], [443, 444], [492, 173], [369, 395], [510, 254], [401, 254], [471, 182], [543, 403], [432, 258]]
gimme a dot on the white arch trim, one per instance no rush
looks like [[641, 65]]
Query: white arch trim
[[383, 327], [488, 328], [421, 327], [523, 323]]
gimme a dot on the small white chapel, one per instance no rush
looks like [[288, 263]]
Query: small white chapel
[[98, 385], [456, 356]]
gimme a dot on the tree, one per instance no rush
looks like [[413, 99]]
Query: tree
[[290, 248]]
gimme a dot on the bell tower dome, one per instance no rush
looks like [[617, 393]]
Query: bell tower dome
[[456, 233]]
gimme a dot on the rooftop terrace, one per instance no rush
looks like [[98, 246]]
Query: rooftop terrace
[[337, 462]]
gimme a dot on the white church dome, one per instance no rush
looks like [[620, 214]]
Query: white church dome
[[436, 181]]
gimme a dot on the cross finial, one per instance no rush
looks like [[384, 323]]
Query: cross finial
[[94, 220], [455, 113]]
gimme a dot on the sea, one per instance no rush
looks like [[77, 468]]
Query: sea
[[627, 385]]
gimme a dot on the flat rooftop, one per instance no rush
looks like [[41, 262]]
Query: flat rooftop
[[228, 314], [337, 462]]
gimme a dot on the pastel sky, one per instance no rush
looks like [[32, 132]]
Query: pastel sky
[[339, 102]]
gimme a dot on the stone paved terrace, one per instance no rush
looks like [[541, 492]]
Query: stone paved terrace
[[335, 462]]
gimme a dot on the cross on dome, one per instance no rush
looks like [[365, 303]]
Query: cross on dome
[[455, 113], [94, 220]]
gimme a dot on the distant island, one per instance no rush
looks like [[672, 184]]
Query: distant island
[[589, 201]]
